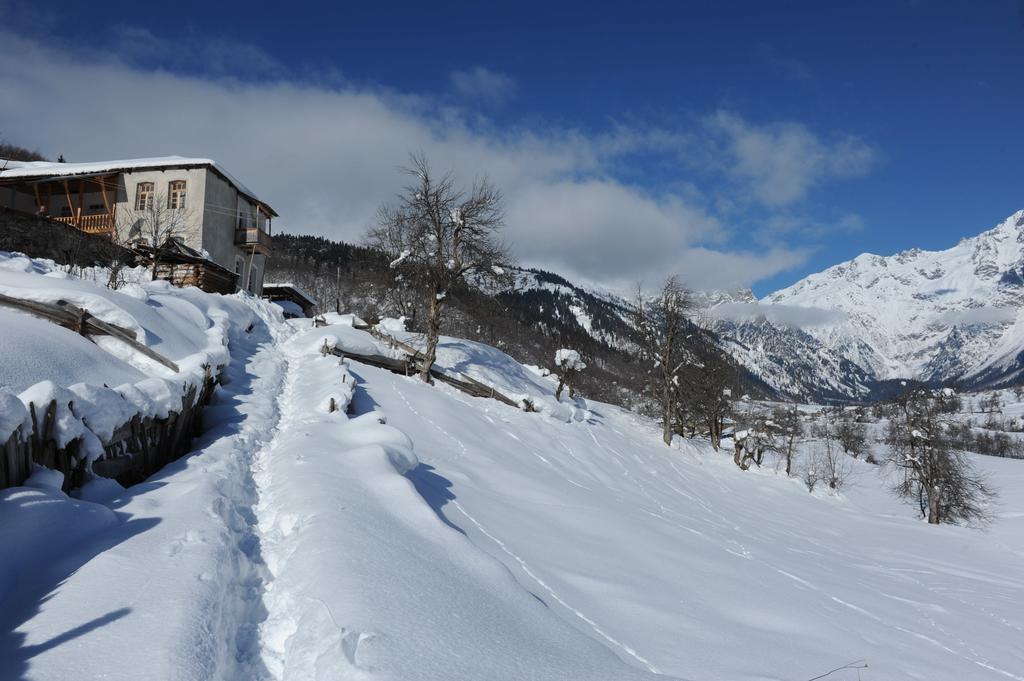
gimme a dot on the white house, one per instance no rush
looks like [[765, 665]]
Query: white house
[[222, 222]]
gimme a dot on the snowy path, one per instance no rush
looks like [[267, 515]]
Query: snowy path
[[173, 584], [366, 580]]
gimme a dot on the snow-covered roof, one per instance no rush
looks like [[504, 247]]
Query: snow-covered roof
[[27, 170], [298, 290]]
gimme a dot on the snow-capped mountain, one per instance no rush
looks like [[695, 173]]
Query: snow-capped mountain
[[949, 316]]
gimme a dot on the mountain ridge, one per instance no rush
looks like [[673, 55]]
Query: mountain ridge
[[943, 317]]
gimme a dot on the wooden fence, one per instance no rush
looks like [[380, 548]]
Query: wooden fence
[[136, 450], [407, 366]]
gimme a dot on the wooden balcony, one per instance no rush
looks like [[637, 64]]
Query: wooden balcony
[[250, 238], [101, 223]]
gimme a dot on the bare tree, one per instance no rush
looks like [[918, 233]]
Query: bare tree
[[662, 323], [991, 404], [437, 235], [830, 458], [852, 436], [936, 475], [568, 364], [153, 225], [758, 431], [826, 461], [790, 429]]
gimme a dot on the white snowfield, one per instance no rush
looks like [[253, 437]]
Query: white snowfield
[[466, 540]]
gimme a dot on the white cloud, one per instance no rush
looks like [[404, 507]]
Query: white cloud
[[326, 157], [610, 233], [783, 315], [707, 269], [781, 162], [482, 85]]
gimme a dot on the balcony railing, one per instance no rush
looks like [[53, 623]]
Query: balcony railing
[[92, 224], [253, 237]]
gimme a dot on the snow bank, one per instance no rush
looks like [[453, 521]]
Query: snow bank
[[290, 308], [326, 379], [168, 585], [100, 386], [366, 580], [37, 525], [392, 326], [13, 415], [494, 368]]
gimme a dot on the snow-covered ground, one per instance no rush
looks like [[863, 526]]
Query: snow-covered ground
[[464, 539], [683, 564]]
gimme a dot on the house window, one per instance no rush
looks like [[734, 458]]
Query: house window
[[144, 196], [176, 194]]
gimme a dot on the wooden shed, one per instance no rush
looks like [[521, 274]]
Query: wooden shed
[[293, 299]]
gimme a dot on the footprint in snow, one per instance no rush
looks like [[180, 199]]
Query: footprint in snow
[[358, 648], [175, 547]]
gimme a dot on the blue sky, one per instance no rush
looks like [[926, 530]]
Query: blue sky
[[745, 143]]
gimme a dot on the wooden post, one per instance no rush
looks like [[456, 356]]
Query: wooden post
[[106, 202], [81, 200], [67, 195]]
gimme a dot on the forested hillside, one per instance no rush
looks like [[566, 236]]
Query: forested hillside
[[531, 315]]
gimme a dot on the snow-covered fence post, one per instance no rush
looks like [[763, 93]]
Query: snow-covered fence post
[[16, 463]]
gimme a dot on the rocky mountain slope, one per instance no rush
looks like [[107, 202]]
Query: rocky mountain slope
[[851, 332], [950, 317]]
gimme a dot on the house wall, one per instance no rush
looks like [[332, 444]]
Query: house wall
[[15, 200], [219, 226], [195, 199]]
